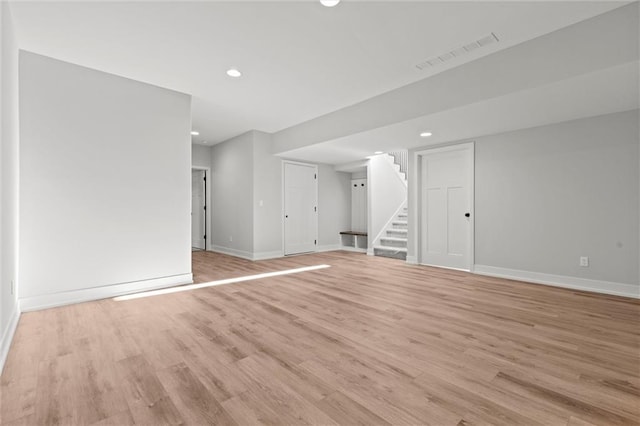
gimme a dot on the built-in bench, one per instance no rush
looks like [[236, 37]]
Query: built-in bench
[[354, 240]]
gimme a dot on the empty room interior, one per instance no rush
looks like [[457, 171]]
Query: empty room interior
[[320, 213]]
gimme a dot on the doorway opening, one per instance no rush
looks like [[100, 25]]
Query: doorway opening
[[199, 209]]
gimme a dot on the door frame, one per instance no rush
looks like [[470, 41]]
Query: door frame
[[315, 167], [207, 203], [416, 208]]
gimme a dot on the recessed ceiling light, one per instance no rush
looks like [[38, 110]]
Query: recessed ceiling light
[[233, 73], [204, 142], [194, 133], [329, 3], [425, 134], [378, 152]]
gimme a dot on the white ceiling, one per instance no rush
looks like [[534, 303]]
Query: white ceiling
[[605, 91], [300, 60]]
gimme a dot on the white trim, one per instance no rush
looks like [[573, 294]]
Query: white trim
[[317, 179], [267, 255], [7, 335], [45, 301], [417, 190], [413, 260], [564, 281], [447, 267], [208, 241], [232, 252]]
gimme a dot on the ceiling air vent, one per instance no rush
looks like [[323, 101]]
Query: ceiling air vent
[[460, 51]]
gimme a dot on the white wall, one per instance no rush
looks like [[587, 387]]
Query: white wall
[[104, 183], [232, 195], [200, 156], [267, 190], [546, 196], [8, 179], [387, 193]]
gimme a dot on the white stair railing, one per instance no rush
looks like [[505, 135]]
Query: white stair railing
[[401, 158]]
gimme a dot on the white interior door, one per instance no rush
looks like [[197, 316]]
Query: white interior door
[[198, 209], [446, 225], [300, 208]]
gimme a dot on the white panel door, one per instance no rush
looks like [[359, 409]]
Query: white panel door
[[446, 197], [198, 216], [300, 208]]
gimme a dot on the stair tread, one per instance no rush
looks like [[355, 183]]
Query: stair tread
[[399, 231], [394, 239]]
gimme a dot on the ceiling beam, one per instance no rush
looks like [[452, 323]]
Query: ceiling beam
[[597, 43]]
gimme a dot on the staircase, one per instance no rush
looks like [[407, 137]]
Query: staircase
[[394, 244]]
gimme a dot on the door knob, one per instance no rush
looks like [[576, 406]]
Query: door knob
[[467, 214], [286, 216]]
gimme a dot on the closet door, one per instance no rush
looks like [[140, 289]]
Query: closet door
[[300, 208]]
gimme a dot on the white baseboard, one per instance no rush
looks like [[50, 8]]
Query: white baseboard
[[233, 252], [564, 281], [353, 249], [45, 301], [329, 247], [412, 260], [370, 252], [7, 335], [267, 255]]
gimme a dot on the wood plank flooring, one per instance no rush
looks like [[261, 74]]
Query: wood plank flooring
[[368, 341]]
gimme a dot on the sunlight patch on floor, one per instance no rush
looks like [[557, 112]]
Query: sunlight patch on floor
[[218, 282]]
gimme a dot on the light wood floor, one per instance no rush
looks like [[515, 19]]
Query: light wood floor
[[368, 341]]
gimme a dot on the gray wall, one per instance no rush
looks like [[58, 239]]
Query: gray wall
[[8, 176], [267, 181], [232, 195], [104, 179], [546, 196], [334, 205], [200, 156]]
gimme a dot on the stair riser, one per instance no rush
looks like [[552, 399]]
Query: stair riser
[[397, 233], [391, 254], [393, 243], [399, 226]]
